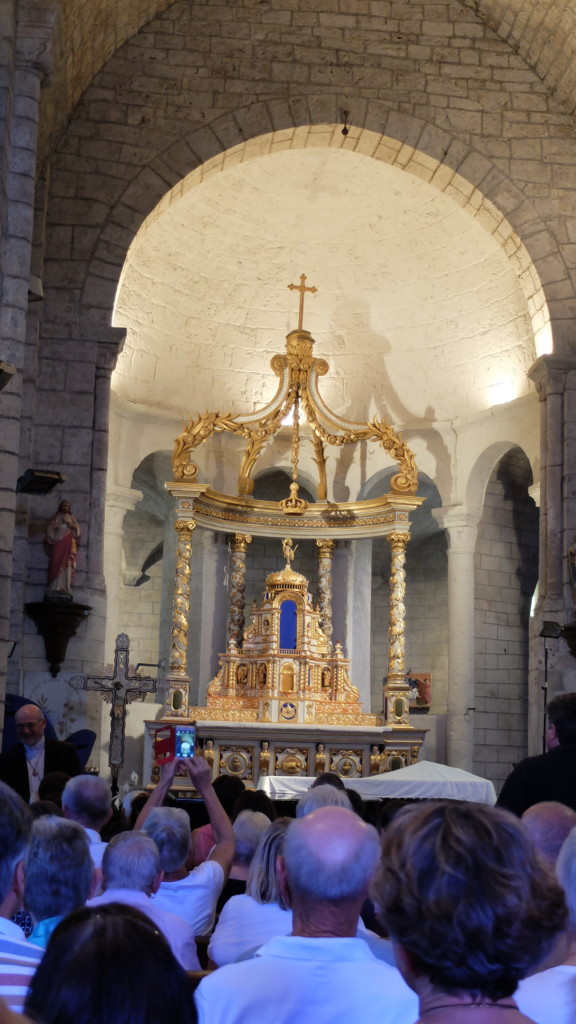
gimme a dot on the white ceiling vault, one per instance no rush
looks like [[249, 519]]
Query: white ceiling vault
[[418, 312]]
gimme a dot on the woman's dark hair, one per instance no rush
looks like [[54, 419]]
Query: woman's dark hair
[[52, 787], [109, 965], [460, 886], [228, 788], [254, 800]]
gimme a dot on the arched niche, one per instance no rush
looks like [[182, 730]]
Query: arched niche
[[506, 573]]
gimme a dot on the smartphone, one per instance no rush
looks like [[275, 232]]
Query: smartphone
[[185, 740], [174, 741]]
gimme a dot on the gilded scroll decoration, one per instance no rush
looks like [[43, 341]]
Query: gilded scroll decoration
[[299, 371]]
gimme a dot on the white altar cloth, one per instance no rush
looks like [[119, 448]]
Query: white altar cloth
[[423, 779]]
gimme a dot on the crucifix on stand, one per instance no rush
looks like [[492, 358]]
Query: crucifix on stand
[[119, 690]]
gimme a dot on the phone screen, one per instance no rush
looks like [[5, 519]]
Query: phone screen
[[185, 741]]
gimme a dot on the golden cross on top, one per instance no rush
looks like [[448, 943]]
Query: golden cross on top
[[302, 287]]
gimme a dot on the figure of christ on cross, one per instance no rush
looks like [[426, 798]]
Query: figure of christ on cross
[[302, 287], [119, 690]]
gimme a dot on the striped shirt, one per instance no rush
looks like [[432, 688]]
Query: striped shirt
[[18, 962]]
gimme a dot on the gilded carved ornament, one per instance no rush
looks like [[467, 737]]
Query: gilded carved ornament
[[298, 371]]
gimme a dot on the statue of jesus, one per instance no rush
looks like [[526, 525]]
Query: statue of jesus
[[62, 535]]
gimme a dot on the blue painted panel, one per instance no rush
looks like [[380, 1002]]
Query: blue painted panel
[[288, 625]]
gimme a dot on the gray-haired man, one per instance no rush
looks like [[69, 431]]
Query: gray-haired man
[[322, 971]]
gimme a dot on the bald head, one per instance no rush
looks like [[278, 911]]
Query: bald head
[[330, 855], [548, 824], [86, 799], [30, 724]]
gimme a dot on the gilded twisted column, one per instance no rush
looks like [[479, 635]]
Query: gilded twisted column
[[237, 587], [325, 551], [181, 598], [396, 696]]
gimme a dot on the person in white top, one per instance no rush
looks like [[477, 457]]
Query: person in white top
[[248, 921], [190, 894], [18, 958], [550, 995], [322, 971]]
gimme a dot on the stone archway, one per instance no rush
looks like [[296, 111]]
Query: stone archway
[[472, 181]]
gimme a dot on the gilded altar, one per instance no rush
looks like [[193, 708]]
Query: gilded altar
[[281, 669]]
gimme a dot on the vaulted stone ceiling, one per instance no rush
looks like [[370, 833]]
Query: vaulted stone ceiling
[[542, 31]]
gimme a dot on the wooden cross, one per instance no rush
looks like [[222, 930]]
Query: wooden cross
[[119, 690], [302, 287]]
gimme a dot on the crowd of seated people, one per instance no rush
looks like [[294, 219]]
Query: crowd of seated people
[[475, 911]]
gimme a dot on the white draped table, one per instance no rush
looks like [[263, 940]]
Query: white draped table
[[423, 779]]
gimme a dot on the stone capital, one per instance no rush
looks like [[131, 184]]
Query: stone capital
[[35, 29], [461, 527], [122, 499], [549, 374]]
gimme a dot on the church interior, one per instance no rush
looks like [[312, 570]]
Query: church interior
[[169, 171]]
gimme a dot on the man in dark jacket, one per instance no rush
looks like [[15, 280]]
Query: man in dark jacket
[[549, 776], [24, 767]]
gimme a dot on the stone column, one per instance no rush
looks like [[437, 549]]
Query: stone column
[[107, 354], [461, 529], [28, 31], [238, 547], [396, 696], [181, 600], [119, 501], [325, 551]]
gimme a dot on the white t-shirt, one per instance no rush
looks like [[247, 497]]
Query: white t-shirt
[[550, 996], [194, 898], [328, 981], [245, 924]]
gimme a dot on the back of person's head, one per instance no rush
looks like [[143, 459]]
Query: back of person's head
[[86, 799], [548, 824], [131, 861], [322, 796], [462, 889], [390, 805], [52, 786], [248, 828], [228, 788], [263, 885], [566, 874], [356, 802], [40, 808], [330, 855], [561, 712], [254, 800], [59, 869], [15, 827], [109, 965], [328, 779], [169, 827]]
